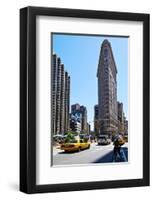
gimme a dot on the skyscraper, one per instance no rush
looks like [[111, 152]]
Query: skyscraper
[[120, 118], [54, 93], [107, 90], [96, 117], [125, 126], [75, 107], [84, 125], [79, 114], [60, 97], [67, 102]]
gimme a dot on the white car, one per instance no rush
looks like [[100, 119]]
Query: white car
[[103, 140]]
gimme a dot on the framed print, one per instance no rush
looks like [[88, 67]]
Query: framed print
[[84, 99]]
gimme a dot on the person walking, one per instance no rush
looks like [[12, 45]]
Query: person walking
[[117, 150]]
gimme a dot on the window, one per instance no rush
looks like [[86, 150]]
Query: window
[[105, 52]]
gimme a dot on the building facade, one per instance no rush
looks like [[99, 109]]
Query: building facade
[[79, 114], [67, 103], [75, 126], [84, 124], [120, 118], [96, 121], [125, 126], [60, 97], [107, 90], [88, 128]]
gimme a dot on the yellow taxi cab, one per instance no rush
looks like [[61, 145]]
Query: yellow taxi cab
[[75, 145]]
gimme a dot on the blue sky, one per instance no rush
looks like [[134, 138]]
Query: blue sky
[[80, 55]]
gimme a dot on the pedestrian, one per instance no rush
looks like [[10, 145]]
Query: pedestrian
[[117, 150]]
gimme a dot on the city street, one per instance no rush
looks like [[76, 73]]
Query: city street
[[96, 154]]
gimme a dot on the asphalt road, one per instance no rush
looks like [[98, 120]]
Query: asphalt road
[[96, 154]]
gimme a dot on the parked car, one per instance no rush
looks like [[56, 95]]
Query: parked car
[[75, 145], [103, 140]]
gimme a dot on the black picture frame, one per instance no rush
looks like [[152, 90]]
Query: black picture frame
[[28, 99]]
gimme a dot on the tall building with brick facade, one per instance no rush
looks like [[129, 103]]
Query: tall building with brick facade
[[107, 90], [96, 121], [120, 118]]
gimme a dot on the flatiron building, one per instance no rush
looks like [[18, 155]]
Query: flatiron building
[[107, 90]]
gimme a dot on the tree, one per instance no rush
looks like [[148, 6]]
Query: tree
[[69, 136]]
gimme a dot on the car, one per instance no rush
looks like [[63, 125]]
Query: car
[[75, 145], [103, 140]]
